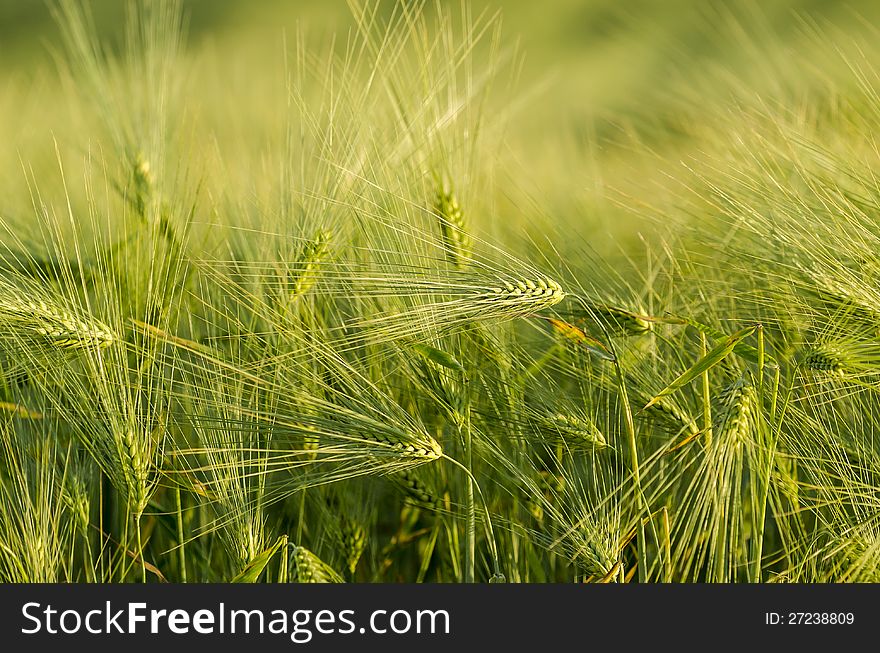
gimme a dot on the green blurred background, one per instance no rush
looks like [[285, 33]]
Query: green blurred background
[[595, 76], [584, 58]]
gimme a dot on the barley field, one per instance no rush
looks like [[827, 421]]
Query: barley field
[[416, 291]]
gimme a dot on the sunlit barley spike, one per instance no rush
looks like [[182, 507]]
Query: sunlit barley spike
[[453, 230], [421, 447], [309, 568], [354, 542], [599, 558], [54, 325], [521, 298], [594, 549], [308, 263], [416, 491]]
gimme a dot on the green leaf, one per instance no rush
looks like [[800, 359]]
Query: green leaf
[[255, 567], [714, 356], [442, 358], [742, 349]]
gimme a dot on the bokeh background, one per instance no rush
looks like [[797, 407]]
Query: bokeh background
[[589, 57], [591, 78]]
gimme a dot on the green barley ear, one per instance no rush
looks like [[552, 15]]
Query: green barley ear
[[575, 430], [669, 411], [28, 318], [453, 232], [739, 406], [35, 528], [354, 542], [136, 462], [409, 307], [827, 358], [142, 184], [523, 297], [845, 357], [415, 447], [417, 491], [309, 568], [76, 501], [592, 547], [308, 263], [618, 320]]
